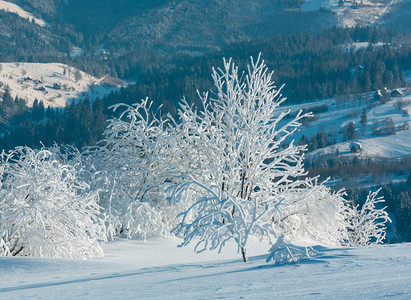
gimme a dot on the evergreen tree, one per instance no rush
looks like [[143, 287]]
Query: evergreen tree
[[364, 119], [350, 131]]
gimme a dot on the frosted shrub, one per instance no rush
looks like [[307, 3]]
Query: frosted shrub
[[367, 225], [312, 212], [45, 210], [131, 166]]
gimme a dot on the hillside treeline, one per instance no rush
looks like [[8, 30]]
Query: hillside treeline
[[79, 123], [312, 65]]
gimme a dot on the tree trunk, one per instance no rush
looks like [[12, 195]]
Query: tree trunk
[[243, 254]]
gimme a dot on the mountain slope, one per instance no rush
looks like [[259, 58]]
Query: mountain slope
[[53, 83], [399, 16], [204, 25], [208, 25], [375, 142], [94, 17], [101, 30], [27, 34], [12, 8], [47, 9]]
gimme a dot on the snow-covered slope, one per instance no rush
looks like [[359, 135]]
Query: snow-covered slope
[[334, 115], [334, 121], [54, 83], [353, 12], [13, 8], [157, 269]]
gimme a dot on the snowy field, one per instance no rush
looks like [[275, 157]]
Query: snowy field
[[32, 81], [13, 8], [157, 269], [334, 121], [361, 12]]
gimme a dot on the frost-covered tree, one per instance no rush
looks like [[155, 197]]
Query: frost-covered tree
[[240, 176], [367, 224], [45, 209], [129, 168]]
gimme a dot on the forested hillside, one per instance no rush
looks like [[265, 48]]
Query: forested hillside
[[311, 65]]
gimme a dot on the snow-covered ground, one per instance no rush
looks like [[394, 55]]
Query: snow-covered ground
[[355, 12], [157, 269], [54, 83], [393, 146], [361, 45], [334, 121], [13, 8]]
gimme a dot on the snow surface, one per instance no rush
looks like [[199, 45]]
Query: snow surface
[[26, 80], [361, 45], [337, 118], [355, 12], [13, 8], [157, 269]]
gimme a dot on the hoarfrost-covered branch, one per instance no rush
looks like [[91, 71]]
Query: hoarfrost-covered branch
[[367, 225], [130, 168]]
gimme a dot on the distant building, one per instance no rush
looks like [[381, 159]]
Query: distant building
[[397, 93], [355, 147], [382, 95], [378, 95], [40, 88]]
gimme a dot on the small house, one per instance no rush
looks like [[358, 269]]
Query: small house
[[397, 93], [382, 95], [355, 147], [40, 88], [378, 95]]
